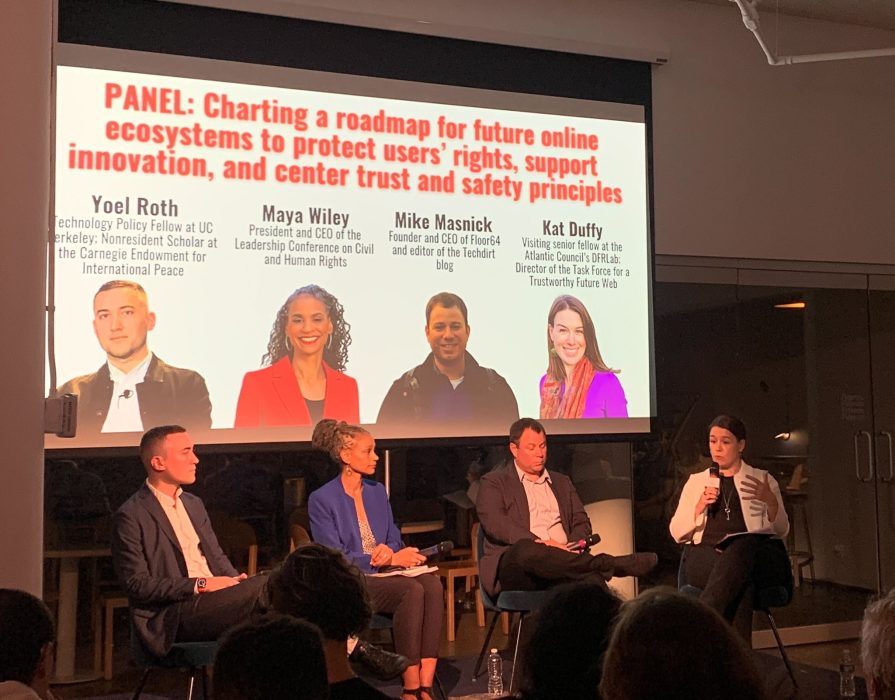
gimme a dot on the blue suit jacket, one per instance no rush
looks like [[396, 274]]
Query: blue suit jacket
[[334, 520], [150, 566]]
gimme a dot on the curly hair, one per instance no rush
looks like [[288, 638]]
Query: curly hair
[[333, 436], [878, 644], [319, 585], [336, 352]]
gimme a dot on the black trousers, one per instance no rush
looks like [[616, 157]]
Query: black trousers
[[530, 566], [417, 608], [207, 616], [747, 564]]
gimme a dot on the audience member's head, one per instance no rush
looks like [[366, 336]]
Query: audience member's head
[[319, 585], [878, 647], [564, 656], [26, 640], [666, 644], [279, 658]]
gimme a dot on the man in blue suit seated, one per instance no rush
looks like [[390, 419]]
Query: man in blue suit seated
[[180, 584]]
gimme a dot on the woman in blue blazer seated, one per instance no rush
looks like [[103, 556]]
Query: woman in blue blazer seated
[[352, 514]]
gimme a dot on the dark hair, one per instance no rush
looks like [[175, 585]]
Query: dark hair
[[523, 424], [448, 301], [25, 628], [278, 658], [555, 368], [730, 423], [336, 352], [119, 284], [332, 436], [667, 644], [318, 584], [153, 439], [564, 656]]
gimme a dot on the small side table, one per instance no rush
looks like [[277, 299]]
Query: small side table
[[449, 571], [420, 526], [66, 617]]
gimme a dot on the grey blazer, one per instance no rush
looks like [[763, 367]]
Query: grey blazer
[[503, 512]]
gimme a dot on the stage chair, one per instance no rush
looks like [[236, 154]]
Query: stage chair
[[479, 605], [297, 536], [521, 602], [763, 599], [237, 539], [193, 656]]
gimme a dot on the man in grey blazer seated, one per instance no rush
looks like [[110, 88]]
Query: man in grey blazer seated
[[534, 524], [180, 584]]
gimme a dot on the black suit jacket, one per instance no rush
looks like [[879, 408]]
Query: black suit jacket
[[151, 568], [503, 512], [167, 395]]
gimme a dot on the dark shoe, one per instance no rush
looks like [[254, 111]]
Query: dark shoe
[[381, 663], [637, 564]]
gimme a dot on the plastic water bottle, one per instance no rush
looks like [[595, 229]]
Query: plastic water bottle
[[846, 675], [495, 673]]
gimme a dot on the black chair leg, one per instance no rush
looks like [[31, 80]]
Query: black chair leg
[[478, 664], [205, 683], [140, 687], [439, 688], [516, 652], [782, 649]]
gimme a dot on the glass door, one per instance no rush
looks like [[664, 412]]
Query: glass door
[[882, 325], [804, 359]]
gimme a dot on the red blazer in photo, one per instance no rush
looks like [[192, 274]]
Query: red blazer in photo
[[271, 396]]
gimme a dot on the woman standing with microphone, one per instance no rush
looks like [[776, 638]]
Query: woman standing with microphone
[[740, 500]]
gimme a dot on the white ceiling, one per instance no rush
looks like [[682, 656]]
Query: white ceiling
[[868, 13]]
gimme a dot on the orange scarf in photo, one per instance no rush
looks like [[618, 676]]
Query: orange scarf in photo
[[566, 399]]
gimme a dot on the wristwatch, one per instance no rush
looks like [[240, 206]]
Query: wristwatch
[[201, 585]]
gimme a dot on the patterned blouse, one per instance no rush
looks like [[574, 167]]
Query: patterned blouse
[[367, 538]]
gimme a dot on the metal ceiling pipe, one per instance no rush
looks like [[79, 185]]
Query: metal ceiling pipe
[[749, 12]]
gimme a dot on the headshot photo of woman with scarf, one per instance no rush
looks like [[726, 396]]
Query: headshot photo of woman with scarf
[[578, 383]]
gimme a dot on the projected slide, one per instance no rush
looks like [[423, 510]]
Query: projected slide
[[245, 259]]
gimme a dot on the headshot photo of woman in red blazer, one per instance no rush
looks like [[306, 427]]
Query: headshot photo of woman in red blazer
[[302, 378]]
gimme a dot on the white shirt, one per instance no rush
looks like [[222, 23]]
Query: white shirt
[[543, 508], [123, 415], [196, 564]]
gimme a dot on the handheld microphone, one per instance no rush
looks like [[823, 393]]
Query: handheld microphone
[[714, 482], [584, 544], [437, 549]]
